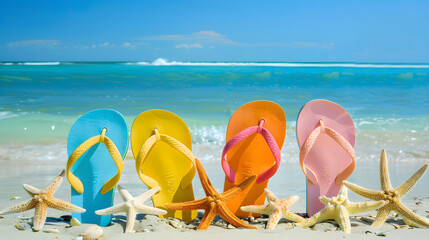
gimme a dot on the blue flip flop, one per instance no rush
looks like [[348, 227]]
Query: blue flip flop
[[97, 144]]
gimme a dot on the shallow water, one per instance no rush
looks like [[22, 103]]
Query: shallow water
[[39, 103]]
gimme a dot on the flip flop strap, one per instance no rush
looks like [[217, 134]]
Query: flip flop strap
[[272, 144], [311, 139], [180, 147], [77, 153]]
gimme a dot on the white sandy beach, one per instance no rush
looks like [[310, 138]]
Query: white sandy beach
[[205, 61], [288, 181]]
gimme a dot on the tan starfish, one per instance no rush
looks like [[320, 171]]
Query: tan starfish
[[276, 209], [392, 196], [339, 209], [41, 200], [214, 203], [132, 206]]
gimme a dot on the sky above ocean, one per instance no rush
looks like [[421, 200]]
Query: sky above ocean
[[273, 30]]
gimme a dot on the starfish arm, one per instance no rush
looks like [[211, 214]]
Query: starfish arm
[[31, 190], [39, 216], [407, 213], [407, 185], [343, 219], [355, 208], [63, 206], [126, 196], [231, 193], [55, 183], [149, 210], [320, 216], [275, 217], [131, 219], [20, 207], [114, 209], [226, 214], [261, 209], [289, 201], [291, 216], [324, 200], [343, 193], [371, 194], [384, 172], [204, 179], [191, 205], [146, 195], [409, 222], [381, 216], [270, 195], [209, 215]]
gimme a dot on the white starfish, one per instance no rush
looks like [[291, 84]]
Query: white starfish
[[276, 209], [132, 206], [41, 200], [392, 196], [339, 208]]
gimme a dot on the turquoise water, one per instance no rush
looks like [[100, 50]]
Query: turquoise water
[[39, 102]]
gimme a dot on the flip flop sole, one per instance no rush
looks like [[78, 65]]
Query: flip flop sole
[[95, 167], [165, 164], [252, 156], [326, 158]]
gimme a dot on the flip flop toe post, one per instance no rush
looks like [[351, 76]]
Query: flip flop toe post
[[326, 136], [96, 146], [255, 135], [162, 146]]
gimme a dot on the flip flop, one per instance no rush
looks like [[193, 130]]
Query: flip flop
[[326, 136], [255, 135], [162, 145], [94, 169]]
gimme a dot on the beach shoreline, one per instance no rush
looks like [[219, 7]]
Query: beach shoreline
[[288, 181]]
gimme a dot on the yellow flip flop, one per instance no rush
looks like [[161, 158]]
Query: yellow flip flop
[[162, 146]]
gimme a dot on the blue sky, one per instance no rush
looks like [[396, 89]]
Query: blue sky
[[291, 31]]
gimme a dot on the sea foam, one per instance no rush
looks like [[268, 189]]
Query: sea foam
[[165, 62], [40, 63], [30, 63], [7, 114]]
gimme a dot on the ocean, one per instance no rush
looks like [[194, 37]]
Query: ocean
[[39, 102]]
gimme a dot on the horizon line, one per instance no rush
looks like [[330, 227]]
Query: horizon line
[[163, 62]]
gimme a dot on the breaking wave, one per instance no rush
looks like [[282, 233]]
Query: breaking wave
[[165, 62]]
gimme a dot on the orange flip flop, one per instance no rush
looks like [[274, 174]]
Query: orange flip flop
[[255, 135]]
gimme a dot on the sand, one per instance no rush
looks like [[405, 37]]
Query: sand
[[288, 181], [153, 227]]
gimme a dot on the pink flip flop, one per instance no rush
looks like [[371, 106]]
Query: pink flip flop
[[326, 136]]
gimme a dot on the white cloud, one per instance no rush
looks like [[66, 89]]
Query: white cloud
[[189, 46], [128, 45], [35, 43], [214, 39], [102, 45], [209, 33], [106, 45], [201, 36]]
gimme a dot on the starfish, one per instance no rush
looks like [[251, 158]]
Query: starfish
[[41, 200], [132, 206], [214, 203], [276, 209], [339, 209], [392, 196]]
